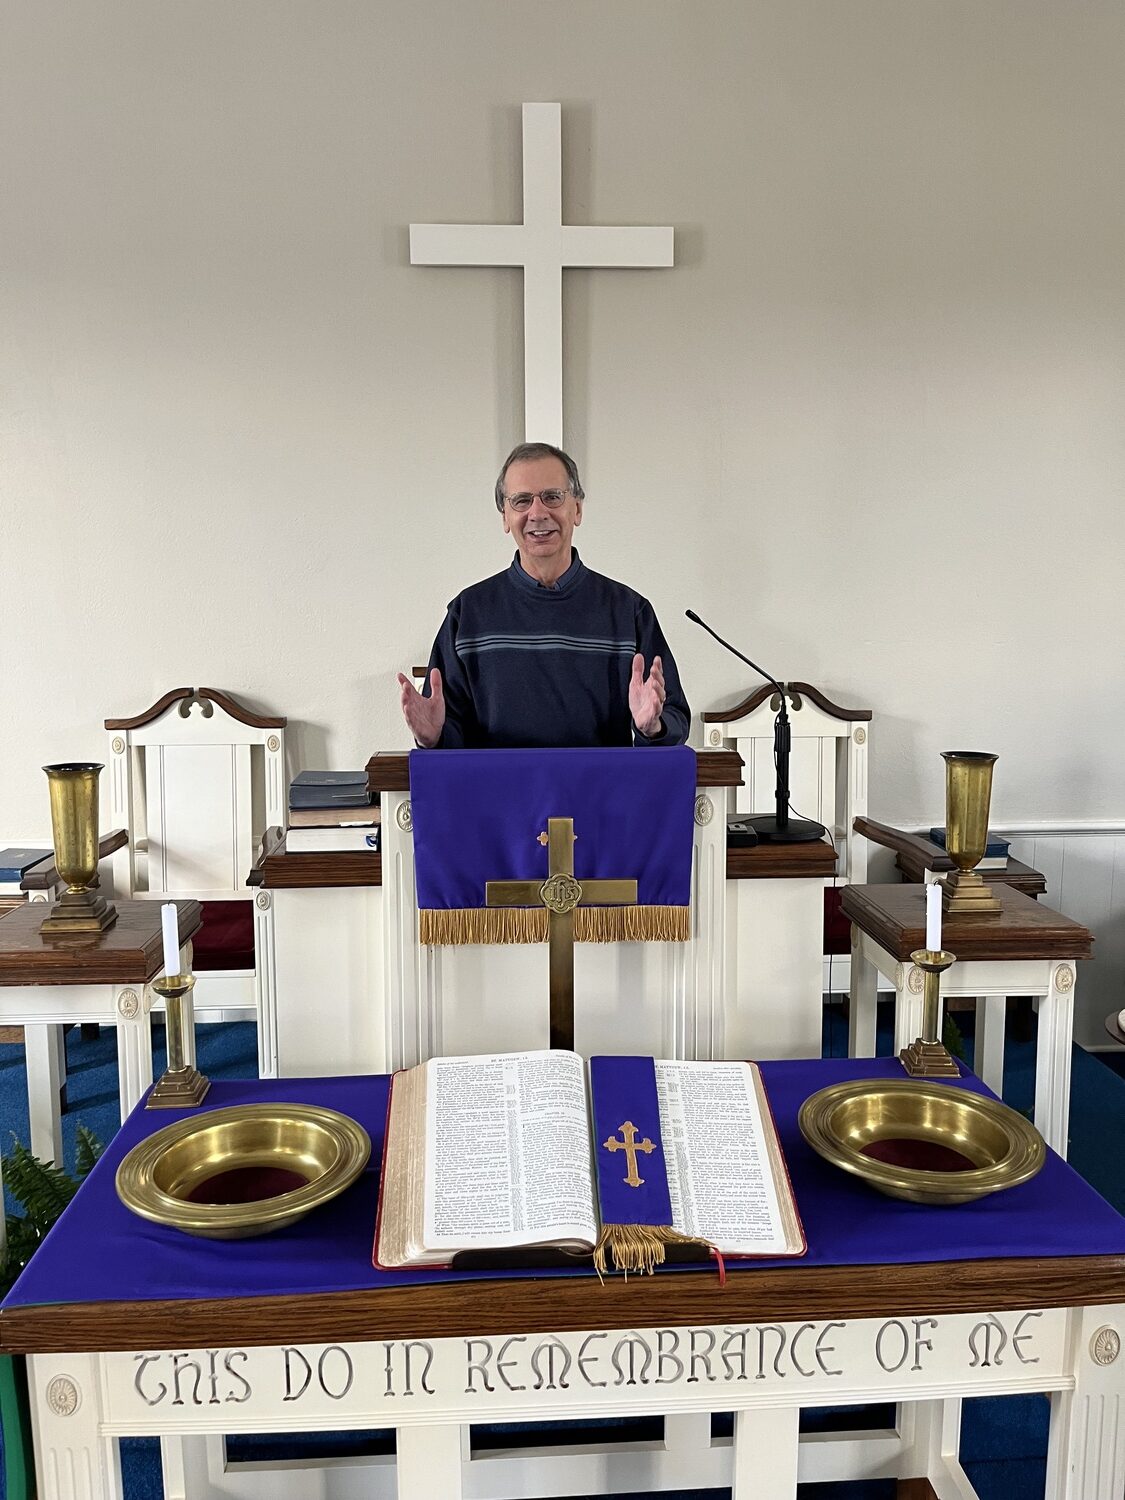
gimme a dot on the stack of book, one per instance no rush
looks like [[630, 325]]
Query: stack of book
[[331, 811], [14, 865], [995, 851]]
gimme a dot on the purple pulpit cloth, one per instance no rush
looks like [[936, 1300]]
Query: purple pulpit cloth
[[477, 815], [99, 1251], [623, 1090]]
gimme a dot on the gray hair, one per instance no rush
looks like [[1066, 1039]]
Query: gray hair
[[524, 452]]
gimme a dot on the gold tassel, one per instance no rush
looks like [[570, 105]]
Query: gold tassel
[[528, 924], [638, 1247]]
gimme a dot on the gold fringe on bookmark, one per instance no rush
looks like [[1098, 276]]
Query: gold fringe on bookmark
[[638, 1247], [528, 924]]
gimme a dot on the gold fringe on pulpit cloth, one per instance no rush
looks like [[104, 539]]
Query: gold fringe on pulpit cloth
[[638, 1247], [528, 924]]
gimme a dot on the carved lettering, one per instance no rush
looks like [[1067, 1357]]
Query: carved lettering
[[345, 1384], [388, 1370], [988, 1331], [822, 1349], [797, 1365], [290, 1354], [584, 1359], [920, 1343], [1019, 1337], [180, 1364], [668, 1357], [734, 1353], [701, 1356], [503, 1365], [551, 1351], [903, 1337], [477, 1366], [213, 1376], [228, 1357], [144, 1360], [624, 1360], [763, 1329]]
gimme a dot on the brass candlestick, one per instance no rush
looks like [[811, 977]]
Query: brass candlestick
[[968, 792], [926, 1057], [180, 1086], [74, 829]]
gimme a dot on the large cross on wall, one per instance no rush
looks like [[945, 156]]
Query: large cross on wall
[[542, 245]]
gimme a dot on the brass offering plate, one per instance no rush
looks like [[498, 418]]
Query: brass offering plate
[[248, 1169], [923, 1141]]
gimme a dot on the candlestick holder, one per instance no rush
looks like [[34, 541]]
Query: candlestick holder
[[926, 1057], [181, 1085]]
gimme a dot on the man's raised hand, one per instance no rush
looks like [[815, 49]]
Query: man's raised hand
[[646, 696], [425, 717]]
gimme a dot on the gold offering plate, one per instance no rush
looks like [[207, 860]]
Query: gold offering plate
[[996, 1147], [272, 1163]]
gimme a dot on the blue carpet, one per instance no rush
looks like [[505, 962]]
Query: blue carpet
[[1004, 1441]]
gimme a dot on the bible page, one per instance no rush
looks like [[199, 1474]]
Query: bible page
[[717, 1134], [508, 1152]]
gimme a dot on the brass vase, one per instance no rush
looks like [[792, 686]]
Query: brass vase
[[74, 829], [968, 793]]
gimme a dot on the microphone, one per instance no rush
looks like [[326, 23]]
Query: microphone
[[777, 827]]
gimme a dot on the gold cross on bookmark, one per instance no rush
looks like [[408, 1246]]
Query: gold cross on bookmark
[[630, 1145], [560, 893]]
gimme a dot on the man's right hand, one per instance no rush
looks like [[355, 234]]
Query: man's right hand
[[425, 717]]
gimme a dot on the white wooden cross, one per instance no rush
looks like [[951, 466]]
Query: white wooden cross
[[542, 245]]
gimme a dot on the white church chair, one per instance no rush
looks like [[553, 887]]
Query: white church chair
[[195, 780], [827, 783]]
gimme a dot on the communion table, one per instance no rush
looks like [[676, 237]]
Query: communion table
[[46, 982], [346, 984], [134, 1329]]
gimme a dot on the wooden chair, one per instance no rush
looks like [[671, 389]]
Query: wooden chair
[[195, 780], [827, 781]]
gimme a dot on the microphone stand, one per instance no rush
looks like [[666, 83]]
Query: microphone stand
[[778, 827]]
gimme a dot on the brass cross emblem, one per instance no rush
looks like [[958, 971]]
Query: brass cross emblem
[[560, 893], [630, 1145]]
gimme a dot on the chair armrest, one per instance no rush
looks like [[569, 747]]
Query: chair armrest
[[44, 875], [272, 840], [913, 845]]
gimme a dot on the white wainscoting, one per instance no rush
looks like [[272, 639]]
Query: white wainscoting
[[1084, 865]]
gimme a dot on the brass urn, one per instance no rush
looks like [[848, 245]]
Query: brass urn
[[74, 828], [968, 794]]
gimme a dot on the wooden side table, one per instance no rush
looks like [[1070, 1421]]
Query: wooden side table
[[104, 977], [1027, 950]]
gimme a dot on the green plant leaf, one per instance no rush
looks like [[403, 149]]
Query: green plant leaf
[[89, 1148], [43, 1189]]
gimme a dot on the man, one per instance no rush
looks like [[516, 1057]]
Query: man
[[547, 653]]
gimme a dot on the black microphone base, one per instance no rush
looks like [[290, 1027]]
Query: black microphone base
[[796, 830]]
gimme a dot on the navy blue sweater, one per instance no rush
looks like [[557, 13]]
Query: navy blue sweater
[[524, 665]]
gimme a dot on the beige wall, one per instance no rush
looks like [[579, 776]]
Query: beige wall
[[245, 444]]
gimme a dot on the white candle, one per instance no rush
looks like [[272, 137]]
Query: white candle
[[933, 917], [170, 930]]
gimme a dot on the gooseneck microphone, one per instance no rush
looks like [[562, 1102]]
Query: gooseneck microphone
[[778, 827]]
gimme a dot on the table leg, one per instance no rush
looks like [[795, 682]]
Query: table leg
[[1052, 1058], [73, 1461], [134, 1044], [908, 1006], [861, 1002], [428, 1462], [41, 1053], [765, 1453], [1086, 1448], [988, 1054]]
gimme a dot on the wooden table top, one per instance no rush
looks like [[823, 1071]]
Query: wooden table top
[[389, 770], [782, 861], [1019, 876], [895, 916], [129, 952], [460, 1309]]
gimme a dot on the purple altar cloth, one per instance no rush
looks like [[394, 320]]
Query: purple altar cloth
[[99, 1251]]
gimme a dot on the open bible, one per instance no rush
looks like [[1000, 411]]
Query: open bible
[[529, 1149]]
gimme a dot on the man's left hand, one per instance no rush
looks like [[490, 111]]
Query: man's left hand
[[646, 697]]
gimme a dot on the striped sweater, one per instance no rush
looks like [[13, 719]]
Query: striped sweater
[[524, 665]]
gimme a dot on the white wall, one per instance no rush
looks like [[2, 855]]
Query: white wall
[[871, 424]]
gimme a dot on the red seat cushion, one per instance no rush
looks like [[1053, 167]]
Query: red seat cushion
[[226, 939], [837, 927]]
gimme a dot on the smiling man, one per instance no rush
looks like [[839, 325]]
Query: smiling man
[[547, 653]]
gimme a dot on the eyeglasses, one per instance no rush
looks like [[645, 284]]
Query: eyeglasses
[[552, 499]]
